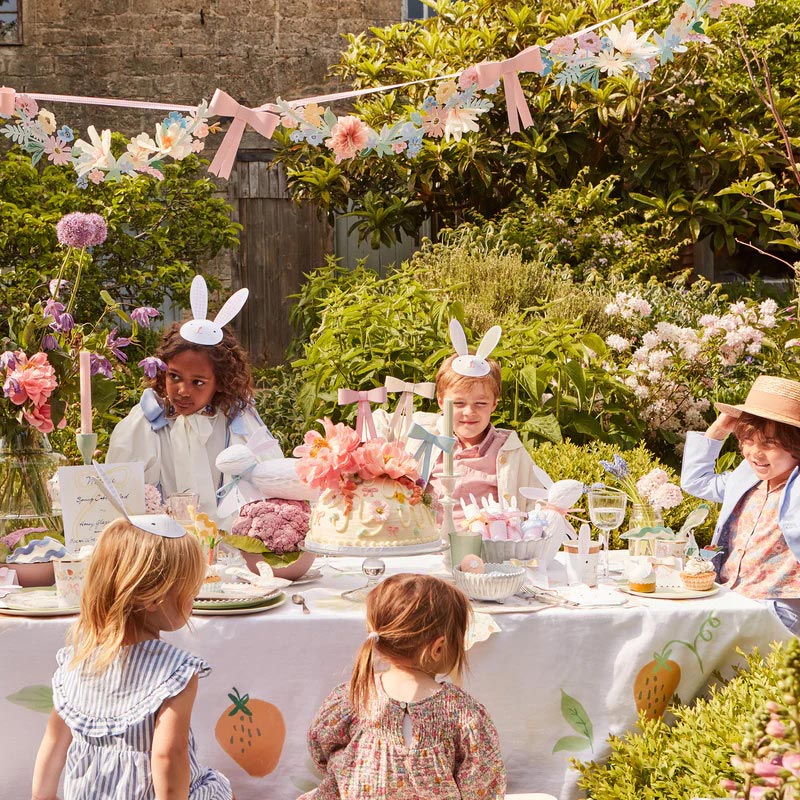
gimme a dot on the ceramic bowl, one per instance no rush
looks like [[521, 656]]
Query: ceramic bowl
[[499, 582], [40, 573], [497, 552], [293, 572]]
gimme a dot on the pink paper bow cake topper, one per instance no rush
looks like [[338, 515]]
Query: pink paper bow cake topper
[[365, 425], [465, 364], [205, 331]]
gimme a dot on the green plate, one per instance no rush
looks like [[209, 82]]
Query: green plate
[[210, 605]]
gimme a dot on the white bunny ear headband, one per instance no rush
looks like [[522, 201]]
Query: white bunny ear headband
[[465, 364], [157, 524], [205, 331]]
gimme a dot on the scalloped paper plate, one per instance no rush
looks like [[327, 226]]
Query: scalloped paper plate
[[39, 601], [238, 591], [223, 609], [677, 593]]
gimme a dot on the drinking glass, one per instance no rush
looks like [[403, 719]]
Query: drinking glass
[[607, 511]]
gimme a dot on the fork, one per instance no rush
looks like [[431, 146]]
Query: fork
[[547, 596]]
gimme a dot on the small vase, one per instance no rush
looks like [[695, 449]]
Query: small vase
[[643, 515], [28, 497]]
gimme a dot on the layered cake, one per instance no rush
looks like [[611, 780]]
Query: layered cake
[[381, 512]]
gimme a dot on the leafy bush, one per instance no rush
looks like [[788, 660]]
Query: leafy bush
[[582, 463], [691, 757]]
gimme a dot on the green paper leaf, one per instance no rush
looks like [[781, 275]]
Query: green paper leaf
[[575, 715], [35, 698], [575, 743]]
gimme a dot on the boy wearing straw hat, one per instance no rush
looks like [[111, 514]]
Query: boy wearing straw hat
[[759, 522]]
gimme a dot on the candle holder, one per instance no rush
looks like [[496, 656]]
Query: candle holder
[[87, 444]]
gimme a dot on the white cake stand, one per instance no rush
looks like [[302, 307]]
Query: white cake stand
[[373, 565]]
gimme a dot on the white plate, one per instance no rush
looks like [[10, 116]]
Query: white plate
[[236, 591], [378, 552], [679, 593], [311, 575], [35, 602], [234, 612]]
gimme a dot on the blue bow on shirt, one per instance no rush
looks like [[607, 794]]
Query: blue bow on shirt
[[425, 450], [155, 414]]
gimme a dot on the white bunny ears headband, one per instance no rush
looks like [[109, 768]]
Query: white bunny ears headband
[[157, 524], [465, 364], [205, 331]]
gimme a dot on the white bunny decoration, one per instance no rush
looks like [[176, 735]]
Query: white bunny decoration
[[205, 331], [465, 364]]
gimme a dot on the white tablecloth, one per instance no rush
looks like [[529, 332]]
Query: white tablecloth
[[556, 682]]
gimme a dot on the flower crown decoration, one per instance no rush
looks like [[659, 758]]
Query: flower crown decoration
[[338, 461]]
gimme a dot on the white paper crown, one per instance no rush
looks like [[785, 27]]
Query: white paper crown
[[465, 364], [157, 524], [205, 331]]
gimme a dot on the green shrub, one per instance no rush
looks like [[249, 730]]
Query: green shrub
[[690, 757], [278, 390], [582, 463]]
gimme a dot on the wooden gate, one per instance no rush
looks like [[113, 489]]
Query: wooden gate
[[280, 241]]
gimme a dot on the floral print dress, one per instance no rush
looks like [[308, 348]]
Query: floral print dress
[[452, 751]]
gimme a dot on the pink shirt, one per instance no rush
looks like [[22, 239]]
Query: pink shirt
[[476, 468], [760, 563]]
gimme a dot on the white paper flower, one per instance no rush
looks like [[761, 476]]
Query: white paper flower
[[459, 121], [94, 154], [629, 43]]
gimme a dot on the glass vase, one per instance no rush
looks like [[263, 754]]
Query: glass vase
[[28, 495], [643, 516]]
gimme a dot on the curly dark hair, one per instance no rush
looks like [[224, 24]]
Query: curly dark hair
[[231, 368], [787, 436]]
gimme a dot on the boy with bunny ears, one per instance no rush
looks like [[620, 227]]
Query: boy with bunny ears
[[486, 460], [200, 403]]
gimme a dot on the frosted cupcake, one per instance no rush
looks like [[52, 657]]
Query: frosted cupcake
[[698, 574], [641, 576]]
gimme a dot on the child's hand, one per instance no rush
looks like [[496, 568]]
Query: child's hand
[[723, 425]]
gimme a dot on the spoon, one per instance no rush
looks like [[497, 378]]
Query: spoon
[[299, 600]]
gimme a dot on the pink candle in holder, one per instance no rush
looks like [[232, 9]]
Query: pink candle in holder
[[7, 95], [84, 360]]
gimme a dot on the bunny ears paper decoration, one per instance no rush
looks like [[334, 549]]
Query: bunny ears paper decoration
[[205, 331], [465, 364], [157, 524]]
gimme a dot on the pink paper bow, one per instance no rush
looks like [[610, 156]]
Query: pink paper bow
[[489, 72], [364, 412], [401, 418], [223, 105]]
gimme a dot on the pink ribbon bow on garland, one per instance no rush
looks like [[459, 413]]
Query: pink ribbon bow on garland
[[364, 411], [223, 105], [489, 72], [401, 418]]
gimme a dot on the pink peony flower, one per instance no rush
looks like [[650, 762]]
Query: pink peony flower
[[348, 137], [39, 418], [81, 230], [32, 379]]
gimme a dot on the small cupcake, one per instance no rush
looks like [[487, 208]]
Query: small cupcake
[[698, 574], [641, 576]]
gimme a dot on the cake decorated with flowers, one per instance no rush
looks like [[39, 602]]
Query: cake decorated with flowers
[[369, 492]]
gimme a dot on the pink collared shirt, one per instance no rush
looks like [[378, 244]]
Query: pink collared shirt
[[476, 467]]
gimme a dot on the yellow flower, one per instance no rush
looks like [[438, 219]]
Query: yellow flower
[[47, 121], [313, 114], [445, 91]]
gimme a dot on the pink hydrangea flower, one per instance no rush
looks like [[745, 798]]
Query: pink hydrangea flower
[[349, 136]]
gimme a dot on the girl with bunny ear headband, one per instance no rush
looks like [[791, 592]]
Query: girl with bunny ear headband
[[200, 402]]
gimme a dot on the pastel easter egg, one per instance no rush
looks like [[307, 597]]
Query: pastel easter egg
[[471, 563]]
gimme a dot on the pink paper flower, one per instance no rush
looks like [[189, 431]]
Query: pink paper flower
[[58, 152], [469, 77], [562, 46], [348, 137]]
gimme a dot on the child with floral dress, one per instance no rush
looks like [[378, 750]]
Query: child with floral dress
[[400, 733], [122, 697]]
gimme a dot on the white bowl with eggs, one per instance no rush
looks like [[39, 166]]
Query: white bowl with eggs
[[497, 582]]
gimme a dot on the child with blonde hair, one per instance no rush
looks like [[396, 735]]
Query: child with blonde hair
[[122, 697], [398, 733]]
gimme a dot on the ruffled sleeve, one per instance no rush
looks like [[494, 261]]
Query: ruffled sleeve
[[133, 439], [331, 729], [132, 688], [480, 773]]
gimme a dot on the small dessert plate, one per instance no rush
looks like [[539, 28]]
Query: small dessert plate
[[237, 591], [673, 593], [311, 575], [35, 602]]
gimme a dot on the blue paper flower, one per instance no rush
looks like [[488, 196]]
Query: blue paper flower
[[65, 133]]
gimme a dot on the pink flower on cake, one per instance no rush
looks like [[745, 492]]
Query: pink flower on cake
[[378, 511], [349, 136]]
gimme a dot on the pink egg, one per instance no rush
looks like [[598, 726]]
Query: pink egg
[[472, 564]]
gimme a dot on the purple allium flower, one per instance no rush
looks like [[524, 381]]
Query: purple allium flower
[[81, 230], [115, 345], [52, 308], [63, 323], [151, 365], [100, 365], [143, 315], [8, 360], [49, 342], [55, 286]]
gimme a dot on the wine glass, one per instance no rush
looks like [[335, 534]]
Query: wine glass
[[607, 511]]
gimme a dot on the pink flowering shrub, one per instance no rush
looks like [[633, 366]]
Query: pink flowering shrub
[[281, 525], [339, 461]]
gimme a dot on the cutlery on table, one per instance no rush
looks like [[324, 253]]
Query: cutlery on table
[[299, 600]]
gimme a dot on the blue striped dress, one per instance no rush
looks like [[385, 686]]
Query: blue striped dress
[[112, 717]]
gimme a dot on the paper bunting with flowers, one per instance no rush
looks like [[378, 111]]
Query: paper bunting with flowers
[[585, 57]]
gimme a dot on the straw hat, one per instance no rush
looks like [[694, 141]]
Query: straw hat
[[773, 398]]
